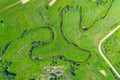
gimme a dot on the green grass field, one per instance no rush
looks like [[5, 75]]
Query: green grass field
[[112, 49], [39, 42]]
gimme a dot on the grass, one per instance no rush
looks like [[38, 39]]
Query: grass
[[111, 49], [70, 39]]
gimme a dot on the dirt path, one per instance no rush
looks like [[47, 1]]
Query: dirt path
[[102, 54], [9, 6]]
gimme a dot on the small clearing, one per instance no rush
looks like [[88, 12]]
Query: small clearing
[[25, 1], [52, 2]]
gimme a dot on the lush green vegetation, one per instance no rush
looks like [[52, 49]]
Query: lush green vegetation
[[112, 49], [35, 38]]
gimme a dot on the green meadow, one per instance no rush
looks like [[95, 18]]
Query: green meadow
[[58, 42]]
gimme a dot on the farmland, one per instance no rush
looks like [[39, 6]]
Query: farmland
[[59, 42]]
